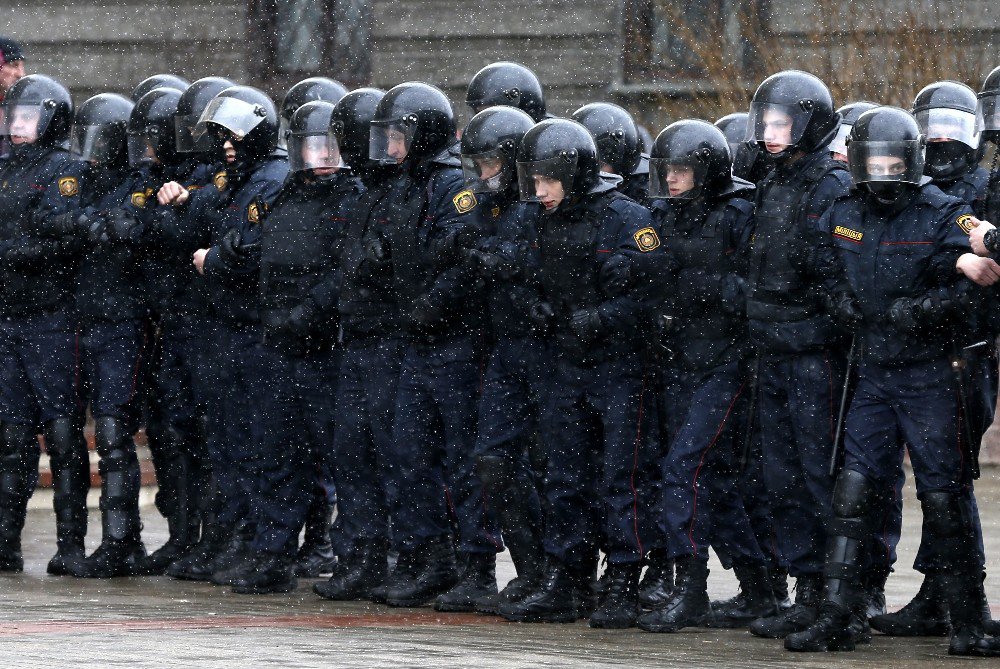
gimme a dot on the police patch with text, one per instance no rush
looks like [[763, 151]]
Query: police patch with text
[[647, 240], [840, 232], [464, 202]]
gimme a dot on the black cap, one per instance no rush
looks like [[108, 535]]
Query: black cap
[[11, 50]]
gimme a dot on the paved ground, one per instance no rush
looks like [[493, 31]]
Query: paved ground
[[61, 622]]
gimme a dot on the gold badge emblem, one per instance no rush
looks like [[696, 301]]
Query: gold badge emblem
[[253, 213], [647, 239], [138, 200], [220, 180], [465, 201], [496, 212], [965, 222], [69, 186], [847, 234]]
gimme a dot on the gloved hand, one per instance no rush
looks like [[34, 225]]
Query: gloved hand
[[586, 324], [904, 314], [121, 225], [844, 308], [374, 250], [616, 274], [485, 265], [232, 250], [62, 225], [446, 246], [541, 314]]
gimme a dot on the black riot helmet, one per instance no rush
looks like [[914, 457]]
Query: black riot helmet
[[849, 113], [562, 150], [151, 128], [988, 108], [748, 163], [489, 148], [413, 115], [159, 81], [189, 108], [307, 90], [100, 130], [946, 114], [615, 133], [734, 127], [885, 153], [311, 143], [690, 144], [40, 106], [508, 84], [245, 115], [645, 138], [351, 122], [793, 108]]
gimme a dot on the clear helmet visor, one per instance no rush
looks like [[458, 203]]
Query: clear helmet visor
[[486, 172], [949, 124], [871, 162], [313, 152], [674, 180], [389, 142], [283, 131], [839, 143], [777, 124], [26, 121], [142, 147], [236, 116], [539, 180], [184, 135], [97, 143], [988, 114]]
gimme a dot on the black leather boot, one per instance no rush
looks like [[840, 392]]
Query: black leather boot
[[357, 574], [925, 615], [19, 455], [271, 574], [552, 602], [479, 579], [755, 599], [437, 573], [70, 466], [968, 636], [183, 520], [316, 557], [197, 565], [121, 552], [405, 569], [619, 607], [658, 581], [688, 606]]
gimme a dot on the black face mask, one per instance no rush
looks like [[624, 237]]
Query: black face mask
[[888, 198], [948, 160]]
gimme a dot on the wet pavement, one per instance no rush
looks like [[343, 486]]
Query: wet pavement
[[62, 622]]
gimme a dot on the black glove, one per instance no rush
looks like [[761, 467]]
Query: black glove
[[232, 250], [121, 225], [485, 265], [541, 314], [616, 274], [904, 314], [446, 247], [374, 250], [586, 324], [844, 308], [61, 225]]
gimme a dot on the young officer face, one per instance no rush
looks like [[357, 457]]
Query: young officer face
[[885, 166], [680, 179], [397, 145], [777, 130], [24, 124], [549, 191]]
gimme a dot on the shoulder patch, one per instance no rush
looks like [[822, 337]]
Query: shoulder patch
[[220, 180], [847, 234], [465, 201], [647, 239], [139, 200], [69, 186], [965, 223], [253, 213]]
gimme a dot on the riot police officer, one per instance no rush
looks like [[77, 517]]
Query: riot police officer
[[849, 113], [443, 320], [111, 306], [509, 445], [704, 218], [510, 84], [597, 408], [364, 457], [907, 305], [792, 283], [307, 90], [38, 365], [180, 386], [619, 147], [749, 162]]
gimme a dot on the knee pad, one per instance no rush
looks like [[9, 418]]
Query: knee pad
[[496, 473], [853, 495], [110, 435], [64, 440], [944, 516]]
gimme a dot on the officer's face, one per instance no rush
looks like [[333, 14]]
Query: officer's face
[[885, 166], [9, 73], [489, 167], [549, 191], [24, 124], [396, 148], [318, 151], [777, 130], [680, 179], [840, 157], [230, 150]]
